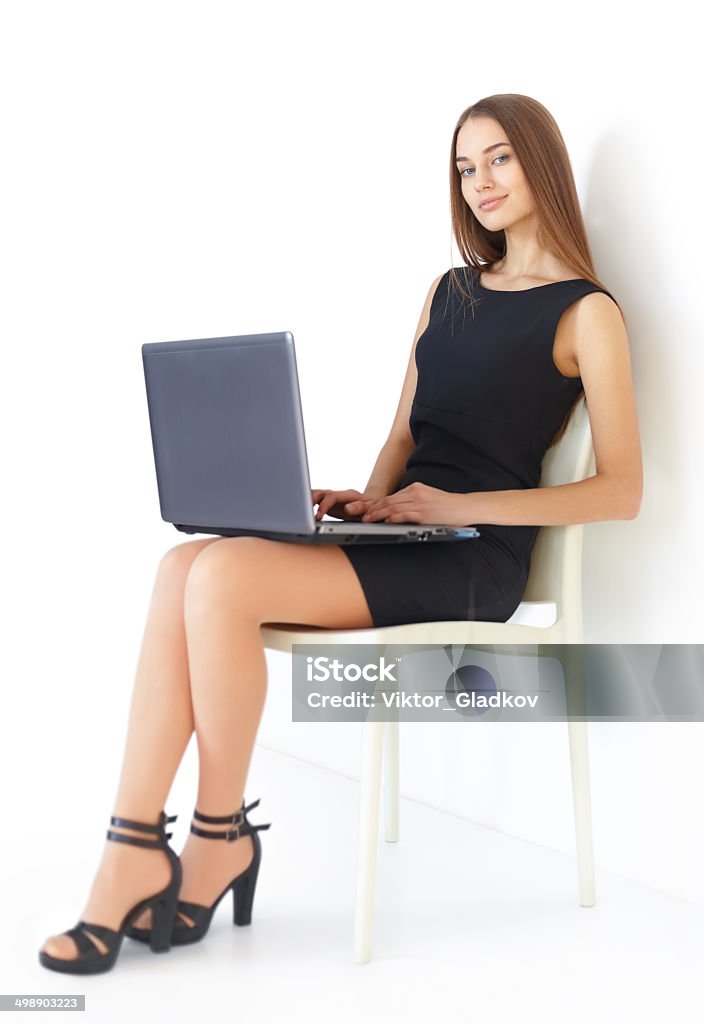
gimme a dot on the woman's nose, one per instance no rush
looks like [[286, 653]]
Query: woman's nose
[[482, 184]]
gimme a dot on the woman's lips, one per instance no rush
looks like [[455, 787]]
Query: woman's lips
[[491, 204]]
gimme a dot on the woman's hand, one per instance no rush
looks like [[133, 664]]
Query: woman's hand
[[348, 505], [419, 503]]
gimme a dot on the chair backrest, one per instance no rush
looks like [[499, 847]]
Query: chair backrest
[[556, 560]]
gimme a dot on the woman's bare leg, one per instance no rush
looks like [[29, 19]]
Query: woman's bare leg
[[231, 590], [160, 726], [202, 665]]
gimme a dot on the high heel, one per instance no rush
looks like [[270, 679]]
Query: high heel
[[90, 959], [243, 886]]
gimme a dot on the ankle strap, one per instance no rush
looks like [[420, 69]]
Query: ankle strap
[[141, 826], [228, 818], [238, 821]]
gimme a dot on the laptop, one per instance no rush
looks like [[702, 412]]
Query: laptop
[[229, 445]]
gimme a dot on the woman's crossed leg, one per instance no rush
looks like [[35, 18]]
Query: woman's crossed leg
[[202, 668]]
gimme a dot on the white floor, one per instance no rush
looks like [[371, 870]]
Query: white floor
[[470, 924]]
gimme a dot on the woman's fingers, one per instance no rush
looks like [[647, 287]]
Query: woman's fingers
[[324, 505], [330, 498], [358, 506], [349, 501]]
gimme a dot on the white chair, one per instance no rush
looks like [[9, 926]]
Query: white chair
[[555, 580]]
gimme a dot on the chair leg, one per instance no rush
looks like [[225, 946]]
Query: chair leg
[[574, 660], [391, 782], [369, 798], [579, 758]]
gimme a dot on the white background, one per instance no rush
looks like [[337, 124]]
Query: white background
[[176, 170]]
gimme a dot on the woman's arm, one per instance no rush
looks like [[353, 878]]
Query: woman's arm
[[390, 466], [588, 501], [601, 349]]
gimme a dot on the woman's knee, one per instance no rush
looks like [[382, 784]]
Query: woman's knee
[[177, 561], [218, 572]]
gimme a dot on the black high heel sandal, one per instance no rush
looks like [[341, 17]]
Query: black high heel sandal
[[242, 886], [90, 959]]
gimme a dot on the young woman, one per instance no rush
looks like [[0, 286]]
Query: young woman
[[505, 347]]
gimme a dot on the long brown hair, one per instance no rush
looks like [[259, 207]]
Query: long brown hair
[[540, 149]]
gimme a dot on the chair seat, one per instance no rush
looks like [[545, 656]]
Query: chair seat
[[522, 627], [534, 613]]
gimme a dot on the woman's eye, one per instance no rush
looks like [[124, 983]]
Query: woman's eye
[[501, 156]]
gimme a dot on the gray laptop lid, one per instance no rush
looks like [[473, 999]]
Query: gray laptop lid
[[254, 476]]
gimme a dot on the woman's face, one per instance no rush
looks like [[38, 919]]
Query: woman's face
[[492, 174]]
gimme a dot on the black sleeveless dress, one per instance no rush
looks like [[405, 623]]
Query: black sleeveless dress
[[488, 402]]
